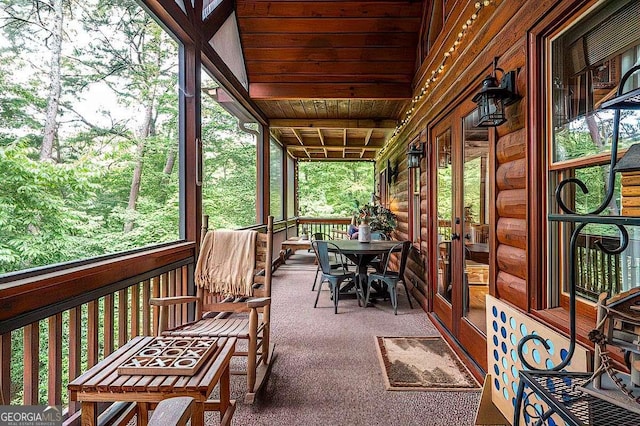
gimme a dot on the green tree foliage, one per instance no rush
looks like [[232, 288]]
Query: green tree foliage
[[44, 210], [229, 171], [118, 74], [334, 188]]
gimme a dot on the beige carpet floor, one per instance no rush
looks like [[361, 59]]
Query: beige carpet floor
[[327, 370]]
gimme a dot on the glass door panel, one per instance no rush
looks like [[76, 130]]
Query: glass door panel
[[444, 206], [475, 180]]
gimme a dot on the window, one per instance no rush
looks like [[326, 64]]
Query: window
[[89, 146], [587, 60], [414, 204], [229, 137], [384, 188], [291, 187], [276, 185]]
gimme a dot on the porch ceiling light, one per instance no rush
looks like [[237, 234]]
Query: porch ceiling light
[[494, 95], [414, 154]]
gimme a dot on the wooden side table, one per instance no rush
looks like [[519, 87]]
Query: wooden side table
[[102, 383]]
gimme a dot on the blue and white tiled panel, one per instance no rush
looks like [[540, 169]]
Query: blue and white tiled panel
[[505, 327]]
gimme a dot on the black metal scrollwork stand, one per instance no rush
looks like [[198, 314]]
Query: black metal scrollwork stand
[[629, 100]]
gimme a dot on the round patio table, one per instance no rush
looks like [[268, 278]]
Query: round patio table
[[363, 253]]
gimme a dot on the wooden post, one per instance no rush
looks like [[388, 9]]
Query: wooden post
[[75, 349], [5, 373], [55, 360], [31, 341]]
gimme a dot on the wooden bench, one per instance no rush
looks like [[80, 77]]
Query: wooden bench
[[293, 244], [173, 411]]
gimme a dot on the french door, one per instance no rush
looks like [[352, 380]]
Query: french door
[[461, 164]]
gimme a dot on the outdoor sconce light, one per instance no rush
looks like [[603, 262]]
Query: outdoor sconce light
[[414, 154], [493, 97], [392, 173]]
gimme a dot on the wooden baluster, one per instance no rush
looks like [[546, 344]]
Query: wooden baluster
[[603, 280], [179, 292], [75, 350], [185, 291], [55, 360], [92, 334], [155, 292], [171, 277], [123, 316], [163, 320], [146, 308], [108, 324], [135, 310], [31, 358], [5, 373]]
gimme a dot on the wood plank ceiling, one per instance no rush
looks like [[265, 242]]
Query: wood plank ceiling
[[333, 77]]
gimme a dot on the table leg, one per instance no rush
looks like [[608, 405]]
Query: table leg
[[225, 391], [143, 413], [197, 418], [89, 413]]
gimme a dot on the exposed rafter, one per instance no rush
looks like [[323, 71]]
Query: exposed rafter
[[332, 124], [216, 18]]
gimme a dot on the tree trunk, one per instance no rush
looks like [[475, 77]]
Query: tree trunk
[[168, 165], [55, 87], [137, 171]]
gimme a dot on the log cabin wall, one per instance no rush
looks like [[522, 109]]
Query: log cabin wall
[[503, 30], [398, 201]]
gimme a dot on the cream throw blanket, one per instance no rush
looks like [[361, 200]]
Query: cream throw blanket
[[226, 263]]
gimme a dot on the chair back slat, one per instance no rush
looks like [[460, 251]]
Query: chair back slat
[[403, 249], [379, 236], [262, 269], [321, 249]]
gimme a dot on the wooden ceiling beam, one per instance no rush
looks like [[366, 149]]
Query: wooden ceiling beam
[[330, 68], [298, 91], [326, 54], [366, 78], [332, 124], [299, 137], [173, 17], [368, 137], [216, 18], [313, 41], [335, 147], [327, 9], [328, 25], [322, 140], [221, 72]]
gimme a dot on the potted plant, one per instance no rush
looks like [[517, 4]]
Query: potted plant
[[379, 218]]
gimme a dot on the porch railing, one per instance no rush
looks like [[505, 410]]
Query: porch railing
[[334, 227], [56, 325], [597, 271]]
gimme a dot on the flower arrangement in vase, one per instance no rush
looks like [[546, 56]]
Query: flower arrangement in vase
[[379, 218]]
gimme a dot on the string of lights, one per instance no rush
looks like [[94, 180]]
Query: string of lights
[[479, 6]]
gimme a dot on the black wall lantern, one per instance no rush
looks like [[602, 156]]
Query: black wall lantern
[[493, 97], [414, 154]]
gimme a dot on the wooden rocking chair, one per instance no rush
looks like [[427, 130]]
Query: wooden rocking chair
[[221, 317]]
